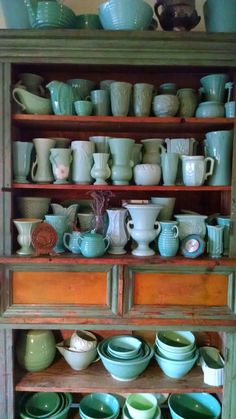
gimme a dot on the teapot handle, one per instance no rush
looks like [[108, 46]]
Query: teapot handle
[[33, 169], [14, 94], [156, 7], [106, 239]]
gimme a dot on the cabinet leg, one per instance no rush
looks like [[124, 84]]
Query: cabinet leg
[[229, 399], [6, 376]]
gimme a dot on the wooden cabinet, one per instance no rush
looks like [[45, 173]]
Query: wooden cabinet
[[111, 294]]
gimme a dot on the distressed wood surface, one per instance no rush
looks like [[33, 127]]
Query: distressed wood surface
[[96, 378], [119, 47]]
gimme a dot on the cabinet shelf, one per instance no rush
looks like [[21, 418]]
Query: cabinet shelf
[[111, 123], [60, 377], [116, 188]]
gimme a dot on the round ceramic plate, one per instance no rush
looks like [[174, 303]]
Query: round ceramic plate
[[192, 246]]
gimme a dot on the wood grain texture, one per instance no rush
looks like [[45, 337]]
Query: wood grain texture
[[96, 378], [180, 289], [82, 288]]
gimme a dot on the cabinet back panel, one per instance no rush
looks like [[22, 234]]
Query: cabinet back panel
[[180, 289], [80, 288]]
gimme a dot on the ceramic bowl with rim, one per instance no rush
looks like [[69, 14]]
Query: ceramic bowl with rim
[[65, 402], [147, 174], [141, 405], [124, 346], [125, 14], [99, 405], [165, 105], [42, 405], [176, 369], [175, 341], [33, 206], [126, 415], [125, 369], [177, 356], [194, 405]]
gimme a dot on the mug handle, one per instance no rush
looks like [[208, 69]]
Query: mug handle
[[14, 94], [34, 165], [212, 163], [66, 237]]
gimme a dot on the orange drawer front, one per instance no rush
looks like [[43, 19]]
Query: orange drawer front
[[180, 289], [88, 288]]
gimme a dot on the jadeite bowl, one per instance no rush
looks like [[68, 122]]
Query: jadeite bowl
[[122, 369], [194, 405], [124, 346], [42, 405], [176, 369], [175, 341], [176, 356], [65, 402], [125, 14], [141, 405], [99, 405]]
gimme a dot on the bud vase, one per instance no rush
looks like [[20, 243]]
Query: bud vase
[[100, 170], [25, 227], [117, 231]]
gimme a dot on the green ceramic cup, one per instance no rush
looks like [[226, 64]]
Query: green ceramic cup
[[83, 107]]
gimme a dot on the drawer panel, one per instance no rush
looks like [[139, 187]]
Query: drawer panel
[[180, 289], [61, 291], [59, 288]]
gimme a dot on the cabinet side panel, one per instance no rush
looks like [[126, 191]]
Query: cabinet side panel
[[180, 289]]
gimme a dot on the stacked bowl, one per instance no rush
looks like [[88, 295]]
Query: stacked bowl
[[50, 14], [99, 406], [141, 406], [175, 352], [194, 406], [125, 357], [44, 405]]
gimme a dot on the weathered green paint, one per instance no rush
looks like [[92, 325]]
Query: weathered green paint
[[30, 310], [229, 403], [6, 376], [209, 52], [122, 47]]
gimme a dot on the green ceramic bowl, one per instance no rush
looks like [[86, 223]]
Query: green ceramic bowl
[[175, 341], [99, 405], [42, 405], [194, 406], [176, 369]]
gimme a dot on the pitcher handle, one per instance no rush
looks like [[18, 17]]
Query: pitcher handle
[[156, 6], [128, 225], [162, 149], [158, 229], [176, 234], [212, 163], [34, 165], [106, 239], [66, 237], [14, 94]]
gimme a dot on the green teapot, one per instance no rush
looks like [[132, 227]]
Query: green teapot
[[93, 245]]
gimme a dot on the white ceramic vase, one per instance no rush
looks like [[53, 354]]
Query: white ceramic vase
[[117, 231], [143, 228]]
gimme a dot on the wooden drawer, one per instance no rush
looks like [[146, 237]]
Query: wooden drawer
[[74, 290], [158, 291]]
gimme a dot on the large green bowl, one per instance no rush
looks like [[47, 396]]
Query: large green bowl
[[194, 406]]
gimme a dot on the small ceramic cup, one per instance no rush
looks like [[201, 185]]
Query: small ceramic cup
[[83, 107], [230, 109]]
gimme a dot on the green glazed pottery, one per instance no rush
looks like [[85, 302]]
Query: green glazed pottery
[[35, 349]]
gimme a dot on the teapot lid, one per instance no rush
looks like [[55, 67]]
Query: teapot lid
[[92, 235]]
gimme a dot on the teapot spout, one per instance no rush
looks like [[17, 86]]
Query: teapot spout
[[31, 6]]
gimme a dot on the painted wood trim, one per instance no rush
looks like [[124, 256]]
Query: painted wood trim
[[68, 310], [118, 47], [6, 376], [229, 399]]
